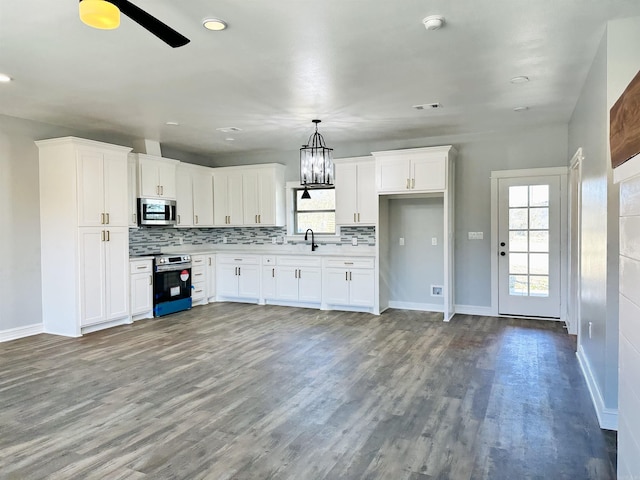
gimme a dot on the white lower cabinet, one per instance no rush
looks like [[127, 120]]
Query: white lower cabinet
[[211, 277], [292, 279], [238, 276], [141, 289], [348, 282], [199, 279]]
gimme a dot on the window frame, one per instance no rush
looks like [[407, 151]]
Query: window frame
[[291, 200], [296, 211]]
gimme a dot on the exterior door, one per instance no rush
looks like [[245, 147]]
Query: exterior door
[[529, 246]]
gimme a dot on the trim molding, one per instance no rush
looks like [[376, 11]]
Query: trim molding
[[474, 310], [21, 332], [607, 417]]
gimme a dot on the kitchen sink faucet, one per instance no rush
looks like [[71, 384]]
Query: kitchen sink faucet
[[313, 242]]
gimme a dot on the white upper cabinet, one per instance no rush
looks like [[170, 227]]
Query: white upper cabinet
[[194, 196], [102, 188], [414, 170], [227, 197], [356, 199], [156, 176], [132, 194], [263, 195]]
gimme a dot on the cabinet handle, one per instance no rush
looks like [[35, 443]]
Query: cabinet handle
[[350, 278], [196, 219], [107, 218], [150, 280], [102, 218], [108, 236], [299, 273], [141, 267], [157, 189], [161, 189], [178, 219], [348, 263], [358, 217], [134, 218], [273, 273], [239, 272], [259, 218], [235, 272], [295, 273], [198, 274], [354, 218], [413, 182], [102, 235], [209, 261], [256, 220], [346, 276], [408, 183]]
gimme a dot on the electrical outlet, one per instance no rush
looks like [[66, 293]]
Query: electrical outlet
[[475, 235], [434, 240], [180, 240], [274, 240], [401, 241], [224, 239], [354, 241]]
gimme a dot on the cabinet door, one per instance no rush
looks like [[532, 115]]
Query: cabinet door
[[211, 276], [117, 272], [132, 178], [346, 204], [393, 174], [141, 293], [90, 188], [361, 288], [220, 199], [429, 173], [249, 281], [184, 198], [366, 192], [310, 285], [268, 282], [335, 287], [266, 198], [202, 199], [234, 198], [226, 280], [92, 275], [116, 190], [148, 180], [167, 179], [287, 283], [250, 198]]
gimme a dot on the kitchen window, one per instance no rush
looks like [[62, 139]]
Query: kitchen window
[[317, 213]]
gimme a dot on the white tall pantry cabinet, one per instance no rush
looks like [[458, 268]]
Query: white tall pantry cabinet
[[84, 217]]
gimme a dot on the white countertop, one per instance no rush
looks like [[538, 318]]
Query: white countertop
[[321, 251]]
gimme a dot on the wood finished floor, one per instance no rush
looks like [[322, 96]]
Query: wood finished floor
[[231, 391]]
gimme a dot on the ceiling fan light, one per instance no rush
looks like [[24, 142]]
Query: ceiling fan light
[[99, 14]]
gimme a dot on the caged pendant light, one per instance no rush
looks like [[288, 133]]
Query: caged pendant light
[[316, 163]]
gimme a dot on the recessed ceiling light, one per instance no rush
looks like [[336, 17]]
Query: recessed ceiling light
[[520, 79], [520, 109], [214, 24], [433, 22], [5, 78], [173, 124], [228, 129]]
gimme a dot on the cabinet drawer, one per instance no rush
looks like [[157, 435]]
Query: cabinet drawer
[[289, 261], [239, 259], [198, 260], [198, 291], [199, 274], [140, 266], [268, 260], [348, 262]]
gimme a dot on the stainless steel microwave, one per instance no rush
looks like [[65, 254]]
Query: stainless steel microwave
[[155, 211]]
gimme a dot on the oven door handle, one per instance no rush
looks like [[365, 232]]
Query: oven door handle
[[172, 268]]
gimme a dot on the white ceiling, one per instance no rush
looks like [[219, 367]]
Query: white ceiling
[[359, 65]]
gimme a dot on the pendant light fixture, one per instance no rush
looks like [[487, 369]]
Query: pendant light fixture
[[316, 163]]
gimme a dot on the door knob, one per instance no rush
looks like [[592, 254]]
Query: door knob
[[502, 254], [502, 244]]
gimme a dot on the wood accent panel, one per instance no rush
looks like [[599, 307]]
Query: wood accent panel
[[248, 392], [624, 133]]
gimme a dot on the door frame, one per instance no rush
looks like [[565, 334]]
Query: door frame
[[496, 175], [574, 279]]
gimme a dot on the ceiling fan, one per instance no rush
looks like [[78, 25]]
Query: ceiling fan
[[105, 14]]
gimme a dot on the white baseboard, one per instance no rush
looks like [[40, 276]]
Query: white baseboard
[[424, 307], [607, 417], [20, 332], [474, 310]]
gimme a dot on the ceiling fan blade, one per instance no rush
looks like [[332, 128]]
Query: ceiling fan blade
[[151, 23]]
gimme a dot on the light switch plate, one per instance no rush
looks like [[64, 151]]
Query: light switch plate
[[401, 241], [434, 240], [354, 241]]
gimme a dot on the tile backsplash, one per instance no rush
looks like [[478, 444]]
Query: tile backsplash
[[150, 240]]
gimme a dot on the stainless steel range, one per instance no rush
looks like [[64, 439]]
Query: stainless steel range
[[171, 284]]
